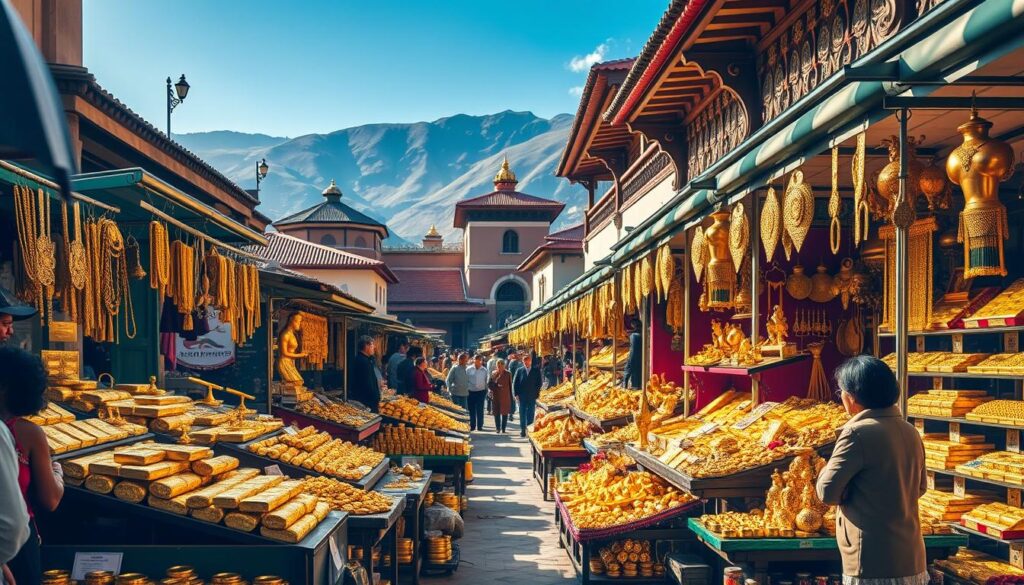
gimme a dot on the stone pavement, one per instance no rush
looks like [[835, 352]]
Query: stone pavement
[[510, 536]]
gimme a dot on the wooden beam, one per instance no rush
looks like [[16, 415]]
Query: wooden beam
[[616, 160], [671, 138]]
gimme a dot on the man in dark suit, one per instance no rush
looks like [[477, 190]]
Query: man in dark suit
[[364, 376], [634, 363], [526, 386]]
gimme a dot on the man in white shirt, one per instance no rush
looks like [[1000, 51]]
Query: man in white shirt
[[478, 377], [14, 529]]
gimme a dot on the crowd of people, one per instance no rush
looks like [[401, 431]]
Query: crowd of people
[[504, 384]]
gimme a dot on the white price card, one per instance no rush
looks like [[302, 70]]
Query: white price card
[[931, 480], [755, 415], [289, 430], [959, 487], [87, 562], [1013, 440], [954, 432], [274, 469]]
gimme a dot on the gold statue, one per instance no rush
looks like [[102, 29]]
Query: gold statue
[[288, 352], [778, 327], [978, 166]]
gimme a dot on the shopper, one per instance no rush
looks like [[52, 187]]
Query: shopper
[[405, 369], [550, 371], [364, 377], [501, 395], [458, 381], [421, 386], [634, 363], [875, 475], [40, 480], [526, 384], [396, 358], [477, 374], [11, 310]]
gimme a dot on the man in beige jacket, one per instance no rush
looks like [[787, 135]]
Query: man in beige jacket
[[875, 475]]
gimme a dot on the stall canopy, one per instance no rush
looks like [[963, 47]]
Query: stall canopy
[[138, 193], [583, 284], [283, 283], [843, 105]]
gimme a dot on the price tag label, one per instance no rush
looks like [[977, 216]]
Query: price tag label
[[274, 469], [755, 415], [87, 562], [919, 343], [1013, 497], [958, 343], [931, 480], [704, 429], [1011, 342], [919, 425], [954, 432], [1013, 440], [959, 487], [1017, 555], [290, 431], [937, 383]]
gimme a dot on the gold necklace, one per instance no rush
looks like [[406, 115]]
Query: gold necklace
[[76, 253], [861, 213], [834, 204], [159, 258]]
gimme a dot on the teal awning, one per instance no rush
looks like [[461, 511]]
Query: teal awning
[[132, 188]]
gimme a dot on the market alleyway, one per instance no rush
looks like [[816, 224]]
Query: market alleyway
[[510, 536]]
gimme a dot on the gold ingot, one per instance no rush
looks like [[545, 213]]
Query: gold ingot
[[132, 579]]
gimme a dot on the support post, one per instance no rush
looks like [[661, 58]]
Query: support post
[[344, 358], [901, 272], [685, 275], [269, 324], [755, 263]]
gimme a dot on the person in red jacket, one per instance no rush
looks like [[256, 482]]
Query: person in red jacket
[[422, 385]]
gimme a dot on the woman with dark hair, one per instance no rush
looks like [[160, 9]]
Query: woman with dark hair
[[41, 480], [875, 476], [421, 384]]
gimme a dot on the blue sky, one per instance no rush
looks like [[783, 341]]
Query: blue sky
[[292, 68]]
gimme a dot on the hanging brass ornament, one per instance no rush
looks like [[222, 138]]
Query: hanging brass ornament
[[935, 186], [135, 269], [787, 244], [743, 290], [887, 181], [834, 204], [771, 222], [842, 283], [798, 209], [739, 235], [698, 253], [721, 274], [798, 285], [861, 213], [666, 269], [978, 166], [850, 336], [641, 286], [821, 286]]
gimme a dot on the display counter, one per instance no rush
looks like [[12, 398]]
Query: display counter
[[546, 460], [291, 416], [370, 530], [413, 513]]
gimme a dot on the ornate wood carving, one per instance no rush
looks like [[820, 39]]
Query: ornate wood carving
[[617, 161], [671, 137], [637, 184], [715, 130], [819, 42]]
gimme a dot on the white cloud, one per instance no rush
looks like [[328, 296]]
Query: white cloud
[[576, 91], [581, 63]]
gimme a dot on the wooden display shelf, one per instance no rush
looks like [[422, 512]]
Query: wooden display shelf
[[967, 421], [453, 464], [767, 364], [968, 375], [443, 432], [370, 530], [545, 461], [345, 432], [606, 424], [750, 483], [248, 458], [996, 482], [413, 513], [960, 331], [821, 543]]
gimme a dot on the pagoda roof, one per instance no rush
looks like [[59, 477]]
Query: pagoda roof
[[296, 253], [333, 211], [506, 200]]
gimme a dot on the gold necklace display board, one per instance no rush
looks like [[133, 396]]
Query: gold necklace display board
[[919, 274]]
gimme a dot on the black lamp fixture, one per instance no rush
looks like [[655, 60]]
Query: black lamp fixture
[[175, 95], [262, 168]]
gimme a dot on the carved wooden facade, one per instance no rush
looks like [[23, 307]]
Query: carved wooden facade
[[720, 126], [819, 42]]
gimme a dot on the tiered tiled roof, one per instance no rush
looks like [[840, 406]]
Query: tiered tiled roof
[[296, 253], [567, 241], [332, 211]]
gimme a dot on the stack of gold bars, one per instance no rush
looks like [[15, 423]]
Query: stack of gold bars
[[946, 403], [942, 453], [318, 451], [977, 567], [439, 549], [996, 519], [938, 361], [64, 433], [937, 507], [1006, 412], [1001, 363], [403, 440], [189, 480], [1005, 309], [1005, 466]]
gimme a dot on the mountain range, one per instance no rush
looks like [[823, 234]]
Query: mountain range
[[408, 176]]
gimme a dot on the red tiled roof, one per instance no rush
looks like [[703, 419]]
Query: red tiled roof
[[513, 200], [292, 252], [428, 286], [569, 234]]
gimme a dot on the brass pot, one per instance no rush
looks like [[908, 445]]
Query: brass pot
[[798, 285], [822, 290], [935, 187]]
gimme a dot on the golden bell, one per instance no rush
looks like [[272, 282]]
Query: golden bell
[[978, 165], [935, 187]]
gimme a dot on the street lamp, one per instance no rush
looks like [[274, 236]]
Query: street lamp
[[262, 168], [174, 97]]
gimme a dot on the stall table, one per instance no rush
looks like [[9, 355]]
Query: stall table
[[455, 465], [291, 416], [762, 553], [604, 424], [545, 461], [369, 530], [413, 513]]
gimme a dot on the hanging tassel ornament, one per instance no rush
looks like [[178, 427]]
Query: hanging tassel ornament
[[135, 270], [818, 388], [861, 211]]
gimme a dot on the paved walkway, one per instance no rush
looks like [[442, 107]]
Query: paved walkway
[[510, 537]]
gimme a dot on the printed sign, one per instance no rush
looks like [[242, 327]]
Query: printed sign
[[211, 351], [754, 415], [86, 562]]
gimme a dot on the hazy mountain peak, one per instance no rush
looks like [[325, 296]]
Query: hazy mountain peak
[[406, 175]]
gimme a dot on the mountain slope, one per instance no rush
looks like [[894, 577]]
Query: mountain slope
[[407, 175]]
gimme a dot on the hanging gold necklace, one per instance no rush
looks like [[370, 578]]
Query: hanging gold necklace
[[76, 253], [159, 258], [834, 204], [861, 213]]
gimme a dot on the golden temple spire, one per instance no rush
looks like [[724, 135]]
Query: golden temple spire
[[505, 179], [432, 232]]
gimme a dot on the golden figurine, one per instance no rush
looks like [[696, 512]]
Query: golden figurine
[[721, 274], [978, 166], [778, 331], [288, 352]]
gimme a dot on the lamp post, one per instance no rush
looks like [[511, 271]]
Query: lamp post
[[262, 168], [174, 97]]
